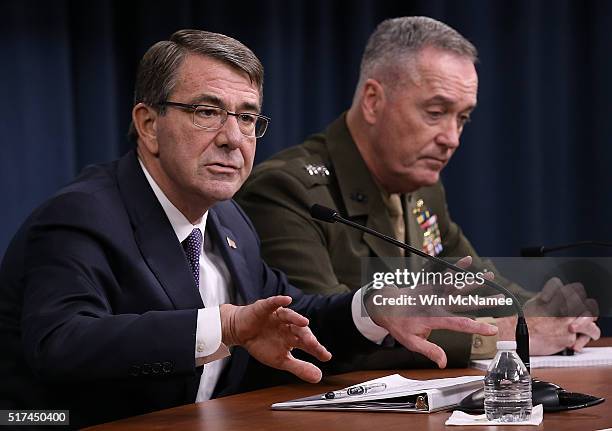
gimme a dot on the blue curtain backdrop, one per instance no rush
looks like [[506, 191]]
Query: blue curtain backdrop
[[534, 165]]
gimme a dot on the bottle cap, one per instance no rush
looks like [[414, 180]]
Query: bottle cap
[[506, 345]]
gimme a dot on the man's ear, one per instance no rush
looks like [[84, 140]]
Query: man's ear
[[145, 118], [372, 100]]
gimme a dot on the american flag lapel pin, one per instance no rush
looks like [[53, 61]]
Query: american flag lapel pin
[[231, 242]]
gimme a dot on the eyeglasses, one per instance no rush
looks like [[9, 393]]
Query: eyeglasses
[[209, 117]]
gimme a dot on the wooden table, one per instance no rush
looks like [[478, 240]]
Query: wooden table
[[251, 411]]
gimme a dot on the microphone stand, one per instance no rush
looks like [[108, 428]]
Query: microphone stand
[[522, 332], [542, 392], [540, 251]]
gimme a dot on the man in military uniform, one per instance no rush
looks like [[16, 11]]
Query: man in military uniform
[[378, 164]]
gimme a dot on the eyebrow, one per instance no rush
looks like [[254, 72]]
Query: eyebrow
[[214, 100], [446, 101]]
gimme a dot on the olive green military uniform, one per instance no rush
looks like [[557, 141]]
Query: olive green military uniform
[[325, 258]]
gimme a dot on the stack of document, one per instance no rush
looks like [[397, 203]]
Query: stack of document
[[391, 393], [589, 357]]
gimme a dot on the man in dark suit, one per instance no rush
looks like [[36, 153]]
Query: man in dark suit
[[116, 295]]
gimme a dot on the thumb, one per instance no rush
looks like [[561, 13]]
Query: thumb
[[302, 369]]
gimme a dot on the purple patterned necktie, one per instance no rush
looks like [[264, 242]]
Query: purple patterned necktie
[[193, 245]]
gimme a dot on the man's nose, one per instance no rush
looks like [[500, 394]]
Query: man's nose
[[230, 135], [450, 135]]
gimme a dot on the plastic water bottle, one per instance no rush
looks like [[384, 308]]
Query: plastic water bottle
[[507, 386]]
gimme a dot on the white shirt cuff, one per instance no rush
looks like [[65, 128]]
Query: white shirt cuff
[[364, 323], [208, 346]]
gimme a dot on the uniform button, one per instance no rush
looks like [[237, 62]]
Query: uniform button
[[134, 370], [359, 197], [200, 348], [477, 341], [167, 367]]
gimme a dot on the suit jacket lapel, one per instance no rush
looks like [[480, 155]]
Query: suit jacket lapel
[[236, 264], [246, 293], [155, 236], [361, 196]]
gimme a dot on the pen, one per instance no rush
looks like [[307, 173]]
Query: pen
[[355, 390]]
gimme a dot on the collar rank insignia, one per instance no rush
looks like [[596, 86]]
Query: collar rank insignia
[[317, 170], [231, 242], [432, 240]]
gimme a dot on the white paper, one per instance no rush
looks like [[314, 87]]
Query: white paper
[[461, 418], [589, 357]]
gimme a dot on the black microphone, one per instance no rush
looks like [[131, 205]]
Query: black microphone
[[322, 213], [329, 215], [533, 251], [540, 250], [551, 396]]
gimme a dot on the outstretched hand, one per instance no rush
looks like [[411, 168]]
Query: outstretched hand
[[412, 325], [269, 332]]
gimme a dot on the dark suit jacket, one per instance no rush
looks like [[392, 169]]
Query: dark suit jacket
[[98, 308]]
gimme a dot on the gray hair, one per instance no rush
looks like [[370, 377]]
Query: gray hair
[[156, 76], [399, 40]]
